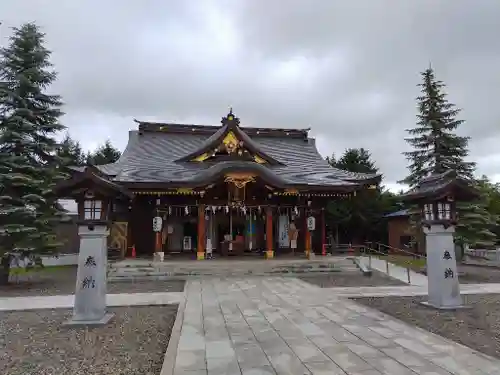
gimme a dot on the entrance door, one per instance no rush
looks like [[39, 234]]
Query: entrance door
[[191, 230]]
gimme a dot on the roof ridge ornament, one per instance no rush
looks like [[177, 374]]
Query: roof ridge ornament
[[230, 119]]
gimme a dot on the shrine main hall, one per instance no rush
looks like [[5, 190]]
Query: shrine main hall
[[223, 190]]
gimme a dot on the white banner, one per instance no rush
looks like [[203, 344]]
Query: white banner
[[283, 225], [186, 243]]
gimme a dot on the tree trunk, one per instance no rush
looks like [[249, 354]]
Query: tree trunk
[[4, 270]]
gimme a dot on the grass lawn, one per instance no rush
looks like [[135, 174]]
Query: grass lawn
[[405, 261]]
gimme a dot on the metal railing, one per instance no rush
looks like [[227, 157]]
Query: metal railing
[[382, 251]]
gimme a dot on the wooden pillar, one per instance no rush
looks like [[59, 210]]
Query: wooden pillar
[[307, 234], [308, 241], [200, 250], [269, 233], [158, 242], [323, 232]]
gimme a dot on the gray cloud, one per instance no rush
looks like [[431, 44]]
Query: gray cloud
[[347, 69]]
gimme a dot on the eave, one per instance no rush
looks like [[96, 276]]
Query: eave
[[93, 177]]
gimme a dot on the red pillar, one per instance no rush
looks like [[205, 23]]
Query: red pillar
[[200, 249], [269, 233], [158, 242], [323, 232], [307, 235]]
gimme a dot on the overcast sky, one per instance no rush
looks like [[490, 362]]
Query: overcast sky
[[347, 69]]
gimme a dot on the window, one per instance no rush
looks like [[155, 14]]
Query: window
[[444, 211], [428, 212], [92, 210]]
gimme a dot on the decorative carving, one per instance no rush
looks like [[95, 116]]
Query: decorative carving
[[240, 181], [259, 160], [185, 191], [231, 143], [118, 236], [202, 157], [89, 194]]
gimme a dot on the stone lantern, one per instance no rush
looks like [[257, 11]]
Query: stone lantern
[[436, 198], [94, 195]]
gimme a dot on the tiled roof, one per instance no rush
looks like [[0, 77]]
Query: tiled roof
[[436, 184], [400, 213], [150, 156]]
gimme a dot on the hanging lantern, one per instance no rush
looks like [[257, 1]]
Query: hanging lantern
[[296, 211], [169, 210], [244, 210], [186, 210], [227, 209]]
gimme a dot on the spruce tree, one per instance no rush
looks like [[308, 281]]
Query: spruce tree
[[70, 151], [477, 222], [29, 123], [436, 146], [104, 154], [437, 149], [355, 160]]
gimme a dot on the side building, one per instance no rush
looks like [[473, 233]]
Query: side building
[[228, 188]]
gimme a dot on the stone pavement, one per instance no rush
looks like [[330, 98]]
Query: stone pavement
[[67, 301], [166, 298], [275, 325], [410, 290]]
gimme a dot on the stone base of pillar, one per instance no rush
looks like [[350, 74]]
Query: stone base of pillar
[[445, 307], [311, 255], [85, 323], [269, 254], [200, 255], [159, 256]]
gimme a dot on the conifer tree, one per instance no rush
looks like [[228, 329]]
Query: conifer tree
[[105, 154], [437, 148], [70, 151], [354, 160], [477, 223], [29, 123]]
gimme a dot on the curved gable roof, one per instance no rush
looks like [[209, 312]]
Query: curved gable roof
[[230, 123]]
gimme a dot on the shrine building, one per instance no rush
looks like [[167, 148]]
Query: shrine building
[[225, 190]]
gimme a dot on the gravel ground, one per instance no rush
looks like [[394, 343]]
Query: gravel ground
[[52, 282], [477, 328], [134, 342], [345, 279], [478, 274]]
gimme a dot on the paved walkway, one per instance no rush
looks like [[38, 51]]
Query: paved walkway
[[276, 325], [397, 272], [67, 301], [138, 299], [255, 326], [410, 290]]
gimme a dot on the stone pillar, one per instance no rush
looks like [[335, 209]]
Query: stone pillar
[[200, 250], [269, 233], [443, 284], [90, 295]]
